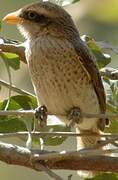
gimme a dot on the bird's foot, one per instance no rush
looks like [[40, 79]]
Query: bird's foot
[[74, 116], [41, 115]]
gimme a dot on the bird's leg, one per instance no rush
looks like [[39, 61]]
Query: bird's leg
[[41, 115], [74, 116]]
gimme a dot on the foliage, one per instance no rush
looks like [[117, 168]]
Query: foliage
[[18, 102], [108, 176], [102, 59], [13, 60]]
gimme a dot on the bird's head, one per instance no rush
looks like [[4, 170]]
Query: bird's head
[[42, 18]]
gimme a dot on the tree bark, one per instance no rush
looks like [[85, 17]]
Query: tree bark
[[16, 155]]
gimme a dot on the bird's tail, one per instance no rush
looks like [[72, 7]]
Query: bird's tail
[[85, 142]]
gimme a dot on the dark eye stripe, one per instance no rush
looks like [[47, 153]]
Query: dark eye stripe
[[37, 17]]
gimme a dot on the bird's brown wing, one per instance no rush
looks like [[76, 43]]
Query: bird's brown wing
[[89, 62]]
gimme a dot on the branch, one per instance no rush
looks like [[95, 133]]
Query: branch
[[52, 134], [109, 138], [16, 155], [107, 46], [47, 170], [15, 89], [11, 47], [91, 151], [32, 113], [109, 72], [103, 143]]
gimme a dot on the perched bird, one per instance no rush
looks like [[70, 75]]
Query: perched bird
[[63, 70]]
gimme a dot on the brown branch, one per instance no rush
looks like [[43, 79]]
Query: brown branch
[[18, 49], [16, 155], [109, 72], [90, 151], [102, 143]]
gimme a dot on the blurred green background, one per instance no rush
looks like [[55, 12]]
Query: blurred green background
[[97, 18]]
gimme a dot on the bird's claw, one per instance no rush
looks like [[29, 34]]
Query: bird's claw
[[74, 116], [41, 115]]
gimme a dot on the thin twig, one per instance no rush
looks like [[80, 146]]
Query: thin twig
[[48, 171], [113, 137], [107, 46], [115, 144], [104, 116], [32, 113], [17, 113], [105, 142], [70, 177], [15, 89], [109, 72], [9, 77], [63, 134]]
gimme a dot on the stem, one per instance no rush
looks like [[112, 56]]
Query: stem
[[109, 72], [64, 134], [15, 89], [32, 113]]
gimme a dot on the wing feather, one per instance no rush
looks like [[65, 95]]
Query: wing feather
[[89, 62]]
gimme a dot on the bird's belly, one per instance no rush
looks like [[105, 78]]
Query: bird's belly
[[60, 80]]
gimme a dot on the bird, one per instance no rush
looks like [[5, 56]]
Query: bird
[[63, 70]]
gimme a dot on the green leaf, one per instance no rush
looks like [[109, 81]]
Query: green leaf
[[102, 59], [25, 102], [74, 1], [113, 128], [111, 108], [20, 102], [55, 140], [13, 123], [13, 60], [104, 176]]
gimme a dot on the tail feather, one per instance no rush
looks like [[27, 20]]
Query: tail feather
[[84, 142]]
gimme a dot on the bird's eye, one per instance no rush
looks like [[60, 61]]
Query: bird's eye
[[31, 15]]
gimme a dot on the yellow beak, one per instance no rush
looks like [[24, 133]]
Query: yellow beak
[[13, 18]]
